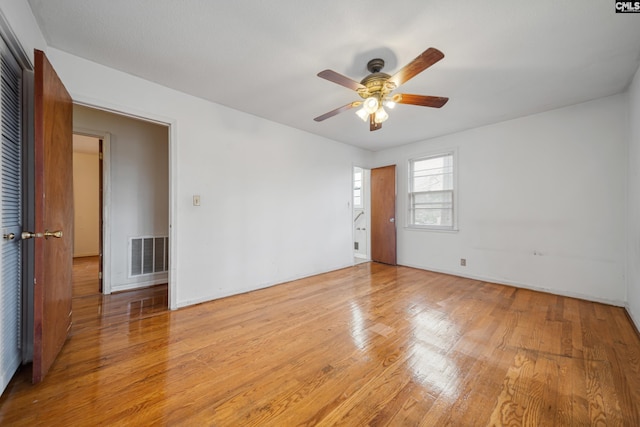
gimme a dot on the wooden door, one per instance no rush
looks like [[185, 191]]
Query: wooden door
[[53, 260], [383, 213]]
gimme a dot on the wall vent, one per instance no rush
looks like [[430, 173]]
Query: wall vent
[[148, 255]]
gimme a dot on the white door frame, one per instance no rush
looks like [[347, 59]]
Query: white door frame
[[173, 178], [366, 207], [106, 203]]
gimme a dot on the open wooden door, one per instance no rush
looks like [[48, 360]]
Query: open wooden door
[[383, 213], [53, 158]]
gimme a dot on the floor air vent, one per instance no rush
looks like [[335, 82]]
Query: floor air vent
[[149, 255]]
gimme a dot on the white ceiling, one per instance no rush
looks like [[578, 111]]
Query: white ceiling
[[503, 58]]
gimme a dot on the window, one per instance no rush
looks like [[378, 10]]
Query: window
[[431, 186], [357, 187]]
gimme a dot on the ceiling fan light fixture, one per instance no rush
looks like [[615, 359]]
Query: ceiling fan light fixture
[[381, 115], [370, 105], [376, 89], [363, 114]]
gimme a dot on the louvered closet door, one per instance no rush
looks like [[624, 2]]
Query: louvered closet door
[[11, 214]]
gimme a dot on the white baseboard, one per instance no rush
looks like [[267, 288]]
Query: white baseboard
[[138, 285], [635, 320], [182, 304], [577, 295]]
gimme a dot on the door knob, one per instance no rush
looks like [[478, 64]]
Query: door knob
[[9, 236], [392, 220], [29, 235], [56, 234]]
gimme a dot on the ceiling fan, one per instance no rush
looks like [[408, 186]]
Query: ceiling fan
[[375, 89]]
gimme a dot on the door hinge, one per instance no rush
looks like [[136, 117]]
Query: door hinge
[[100, 275], [100, 156]]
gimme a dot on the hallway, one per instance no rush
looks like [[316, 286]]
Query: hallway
[[92, 310]]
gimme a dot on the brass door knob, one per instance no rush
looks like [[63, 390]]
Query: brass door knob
[[56, 234], [9, 236], [29, 235]]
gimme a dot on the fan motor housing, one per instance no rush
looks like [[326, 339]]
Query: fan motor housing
[[377, 82]]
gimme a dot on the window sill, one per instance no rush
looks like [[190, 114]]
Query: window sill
[[432, 229]]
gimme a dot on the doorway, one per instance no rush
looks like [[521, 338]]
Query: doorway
[[88, 206], [135, 223]]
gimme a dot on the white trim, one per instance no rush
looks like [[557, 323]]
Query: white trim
[[139, 285], [235, 292], [365, 197], [431, 229], [13, 43], [578, 295], [121, 110], [367, 209], [173, 178]]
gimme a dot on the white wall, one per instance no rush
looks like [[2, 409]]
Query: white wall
[[551, 184], [633, 212], [17, 13], [86, 204], [276, 202], [139, 187]]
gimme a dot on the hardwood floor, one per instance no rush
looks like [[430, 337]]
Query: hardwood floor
[[85, 276], [367, 345], [92, 310]]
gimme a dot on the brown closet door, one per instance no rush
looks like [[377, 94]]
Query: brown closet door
[[383, 213]]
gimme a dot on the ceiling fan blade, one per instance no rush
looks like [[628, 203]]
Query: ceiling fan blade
[[418, 65], [422, 100], [372, 123], [338, 111], [338, 78]]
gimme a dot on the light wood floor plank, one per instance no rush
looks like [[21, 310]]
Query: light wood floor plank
[[370, 345]]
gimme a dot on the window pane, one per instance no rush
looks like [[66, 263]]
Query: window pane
[[433, 174], [357, 197], [433, 198], [357, 187], [431, 191], [442, 217], [434, 208]]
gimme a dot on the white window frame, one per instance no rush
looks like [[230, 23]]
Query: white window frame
[[454, 197], [353, 198]]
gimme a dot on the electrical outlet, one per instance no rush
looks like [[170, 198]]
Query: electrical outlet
[[463, 262], [196, 200]]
